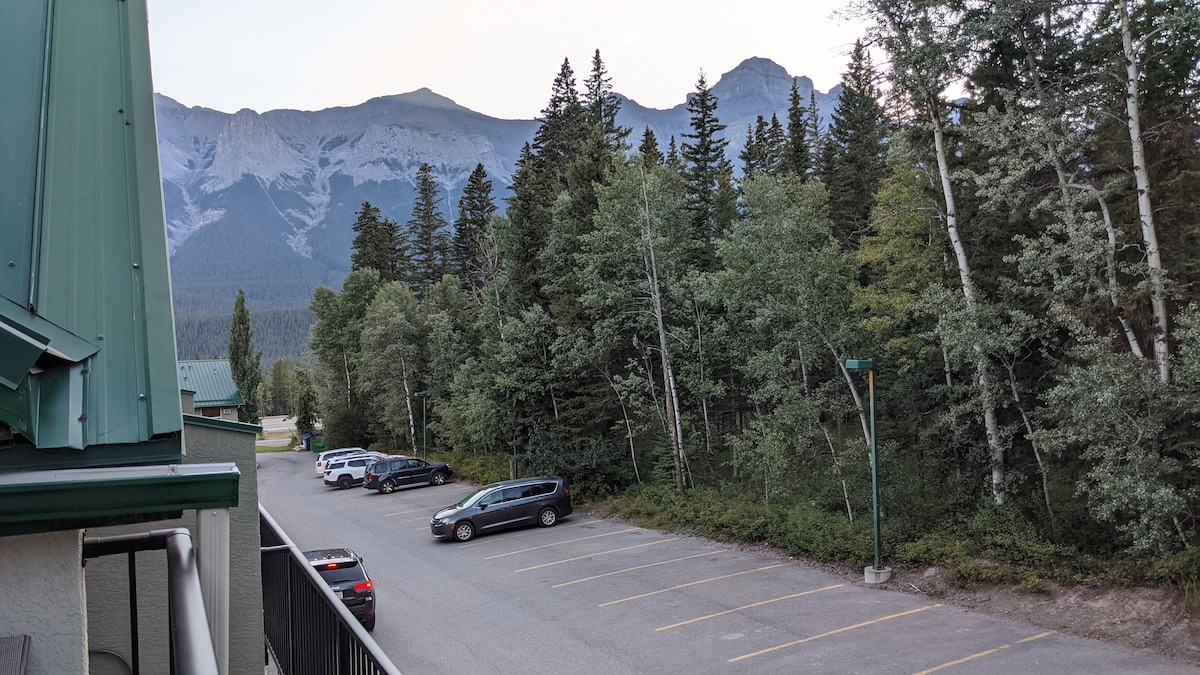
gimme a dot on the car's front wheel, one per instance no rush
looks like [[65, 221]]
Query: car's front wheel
[[464, 531], [387, 487], [344, 482], [438, 478], [547, 517]]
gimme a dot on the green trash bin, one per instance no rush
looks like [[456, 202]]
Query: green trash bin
[[318, 445]]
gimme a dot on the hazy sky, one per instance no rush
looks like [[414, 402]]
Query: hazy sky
[[496, 57]]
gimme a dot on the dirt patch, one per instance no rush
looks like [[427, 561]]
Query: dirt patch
[[1133, 617]]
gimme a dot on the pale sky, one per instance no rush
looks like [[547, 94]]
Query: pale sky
[[496, 57]]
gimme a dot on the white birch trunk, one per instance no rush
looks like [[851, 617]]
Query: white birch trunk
[[990, 423], [1141, 176]]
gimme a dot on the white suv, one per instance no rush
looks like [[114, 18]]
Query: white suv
[[324, 457], [349, 470]]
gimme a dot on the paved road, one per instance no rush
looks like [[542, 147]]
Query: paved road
[[596, 596]]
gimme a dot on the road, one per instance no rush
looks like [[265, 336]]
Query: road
[[598, 596]]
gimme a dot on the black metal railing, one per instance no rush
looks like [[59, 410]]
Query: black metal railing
[[192, 651], [308, 628]]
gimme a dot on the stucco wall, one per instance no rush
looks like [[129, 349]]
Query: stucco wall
[[107, 578], [41, 595]]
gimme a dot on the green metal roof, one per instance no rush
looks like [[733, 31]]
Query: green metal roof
[[212, 382], [86, 327]]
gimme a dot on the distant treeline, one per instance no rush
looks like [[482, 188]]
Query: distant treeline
[[279, 333]]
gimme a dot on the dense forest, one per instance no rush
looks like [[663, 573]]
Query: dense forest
[[279, 333], [1000, 216]]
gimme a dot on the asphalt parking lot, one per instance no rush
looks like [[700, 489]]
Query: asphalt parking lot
[[598, 596]]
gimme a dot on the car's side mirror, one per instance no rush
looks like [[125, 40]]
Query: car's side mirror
[[483, 507]]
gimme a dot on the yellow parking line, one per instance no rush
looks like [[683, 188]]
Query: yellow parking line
[[982, 654], [693, 583], [750, 606], [593, 555], [832, 632], [632, 569], [558, 543]]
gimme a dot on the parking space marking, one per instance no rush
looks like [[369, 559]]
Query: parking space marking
[[593, 555], [532, 532], [691, 583], [832, 632], [558, 543], [403, 513], [987, 652], [633, 569], [750, 606]]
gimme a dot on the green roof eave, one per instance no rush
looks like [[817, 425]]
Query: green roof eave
[[218, 423], [71, 499]]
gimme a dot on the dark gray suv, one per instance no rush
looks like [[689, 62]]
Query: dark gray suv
[[512, 503], [343, 570]]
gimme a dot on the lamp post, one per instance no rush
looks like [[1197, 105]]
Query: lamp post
[[876, 573], [423, 395]]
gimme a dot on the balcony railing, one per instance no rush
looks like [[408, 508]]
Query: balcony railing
[[192, 650], [308, 628]]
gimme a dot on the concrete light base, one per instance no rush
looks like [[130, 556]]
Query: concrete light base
[[874, 576]]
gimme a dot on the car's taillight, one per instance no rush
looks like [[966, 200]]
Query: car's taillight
[[363, 586]]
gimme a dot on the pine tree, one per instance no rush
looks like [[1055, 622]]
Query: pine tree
[[563, 128], [427, 232], [245, 361], [377, 244], [674, 159], [797, 156], [521, 235], [651, 155], [816, 140], [705, 159], [475, 209], [602, 106], [752, 151], [855, 148]]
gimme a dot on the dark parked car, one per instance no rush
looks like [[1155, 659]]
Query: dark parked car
[[343, 570], [388, 474], [511, 503]]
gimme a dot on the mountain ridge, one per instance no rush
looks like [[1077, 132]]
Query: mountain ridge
[[265, 201]]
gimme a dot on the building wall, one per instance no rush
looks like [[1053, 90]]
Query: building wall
[[42, 595], [205, 441]]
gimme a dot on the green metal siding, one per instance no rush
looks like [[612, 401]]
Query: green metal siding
[[82, 233]]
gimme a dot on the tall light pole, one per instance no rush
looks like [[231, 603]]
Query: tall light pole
[[423, 395], [876, 573]]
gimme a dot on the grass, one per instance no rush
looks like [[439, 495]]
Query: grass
[[277, 435]]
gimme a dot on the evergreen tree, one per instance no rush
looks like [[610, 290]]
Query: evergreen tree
[[651, 155], [816, 140], [563, 128], [305, 407], [752, 151], [427, 232], [475, 209], [674, 159], [245, 361], [705, 160], [602, 106], [521, 235], [855, 147], [377, 244], [797, 156], [280, 392]]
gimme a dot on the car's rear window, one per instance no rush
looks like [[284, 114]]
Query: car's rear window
[[334, 573]]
